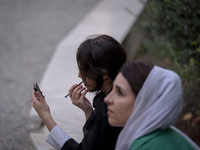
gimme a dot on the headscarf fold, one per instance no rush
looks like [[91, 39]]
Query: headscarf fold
[[157, 106]]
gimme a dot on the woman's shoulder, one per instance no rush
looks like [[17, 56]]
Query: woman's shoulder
[[100, 95], [98, 99], [161, 139]]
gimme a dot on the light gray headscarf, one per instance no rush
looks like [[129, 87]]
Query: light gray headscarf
[[157, 105]]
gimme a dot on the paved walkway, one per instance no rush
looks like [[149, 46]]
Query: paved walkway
[[112, 17], [29, 33]]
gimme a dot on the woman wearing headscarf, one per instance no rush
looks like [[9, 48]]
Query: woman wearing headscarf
[[146, 101]]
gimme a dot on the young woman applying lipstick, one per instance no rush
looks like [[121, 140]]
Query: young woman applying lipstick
[[99, 60]]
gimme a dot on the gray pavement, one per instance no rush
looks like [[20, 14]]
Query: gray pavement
[[29, 33]]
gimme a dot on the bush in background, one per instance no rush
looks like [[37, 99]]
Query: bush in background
[[176, 24]]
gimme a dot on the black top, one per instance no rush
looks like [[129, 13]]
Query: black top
[[98, 134]]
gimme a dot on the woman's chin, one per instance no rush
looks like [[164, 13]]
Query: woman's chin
[[112, 123]]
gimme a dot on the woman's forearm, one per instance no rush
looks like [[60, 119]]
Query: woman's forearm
[[49, 122]]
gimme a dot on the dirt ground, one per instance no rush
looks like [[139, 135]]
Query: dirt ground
[[189, 121]]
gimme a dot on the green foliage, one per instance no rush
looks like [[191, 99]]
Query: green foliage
[[175, 24]]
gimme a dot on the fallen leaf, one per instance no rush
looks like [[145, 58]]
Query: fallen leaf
[[187, 116]]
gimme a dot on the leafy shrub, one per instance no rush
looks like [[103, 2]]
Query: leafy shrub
[[175, 24]]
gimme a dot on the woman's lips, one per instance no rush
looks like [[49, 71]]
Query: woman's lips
[[109, 112]]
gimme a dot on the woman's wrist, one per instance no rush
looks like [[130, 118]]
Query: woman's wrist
[[49, 122]]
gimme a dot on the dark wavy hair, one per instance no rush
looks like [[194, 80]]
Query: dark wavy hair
[[136, 74], [100, 55]]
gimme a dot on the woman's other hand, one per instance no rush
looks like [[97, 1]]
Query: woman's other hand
[[77, 94]]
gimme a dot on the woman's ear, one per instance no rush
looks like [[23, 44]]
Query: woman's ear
[[105, 76]]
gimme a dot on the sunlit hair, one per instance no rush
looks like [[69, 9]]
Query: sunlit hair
[[136, 74], [100, 55]]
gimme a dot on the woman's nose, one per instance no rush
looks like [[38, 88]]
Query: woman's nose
[[107, 99]]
